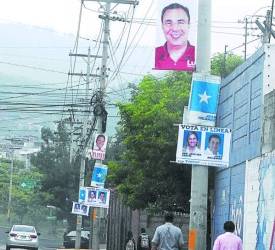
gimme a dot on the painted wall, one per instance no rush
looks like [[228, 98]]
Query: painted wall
[[259, 207], [240, 108], [245, 192]]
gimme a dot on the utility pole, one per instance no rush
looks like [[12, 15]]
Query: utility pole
[[83, 149], [10, 189], [199, 181], [224, 61], [97, 213], [267, 27], [245, 39]]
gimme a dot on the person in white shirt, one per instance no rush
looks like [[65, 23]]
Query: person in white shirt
[[214, 142]]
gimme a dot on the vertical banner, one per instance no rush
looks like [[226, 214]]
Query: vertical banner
[[176, 35], [99, 149], [82, 194], [203, 145], [99, 175], [204, 97]]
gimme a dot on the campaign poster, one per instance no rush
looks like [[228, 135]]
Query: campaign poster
[[204, 98], [97, 197], [203, 145], [82, 194], [99, 175], [176, 40], [91, 196], [99, 149], [80, 209]]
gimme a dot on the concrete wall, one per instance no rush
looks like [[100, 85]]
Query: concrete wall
[[245, 192], [240, 108], [259, 206]]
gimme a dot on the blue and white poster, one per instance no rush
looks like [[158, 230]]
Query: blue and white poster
[[203, 145], [204, 97], [99, 175], [82, 194]]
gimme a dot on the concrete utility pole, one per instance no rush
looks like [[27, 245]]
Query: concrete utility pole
[[10, 188], [245, 39], [199, 182], [83, 153], [98, 212]]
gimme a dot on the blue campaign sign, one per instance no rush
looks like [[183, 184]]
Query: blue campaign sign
[[99, 175], [82, 194], [204, 97]]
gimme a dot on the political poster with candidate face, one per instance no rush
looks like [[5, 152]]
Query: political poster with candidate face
[[203, 145], [99, 175], [176, 35], [204, 97], [97, 197], [80, 209], [99, 150]]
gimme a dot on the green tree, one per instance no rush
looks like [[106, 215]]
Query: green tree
[[60, 177], [142, 170], [25, 188], [140, 157], [223, 65]]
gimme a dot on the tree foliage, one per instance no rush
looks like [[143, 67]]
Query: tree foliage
[[60, 177], [142, 171], [140, 158], [24, 197], [222, 65]]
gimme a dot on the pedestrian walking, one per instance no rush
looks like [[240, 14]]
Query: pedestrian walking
[[228, 240], [144, 242], [130, 243], [168, 236]]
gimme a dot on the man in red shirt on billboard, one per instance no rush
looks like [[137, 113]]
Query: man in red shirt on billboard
[[177, 53]]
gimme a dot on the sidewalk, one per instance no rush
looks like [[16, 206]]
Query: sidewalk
[[101, 247]]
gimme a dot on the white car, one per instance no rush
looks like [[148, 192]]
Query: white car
[[22, 236]]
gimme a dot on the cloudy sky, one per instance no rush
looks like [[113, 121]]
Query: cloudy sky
[[62, 16]]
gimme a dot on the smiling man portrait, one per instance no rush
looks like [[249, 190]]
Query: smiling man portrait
[[177, 53]]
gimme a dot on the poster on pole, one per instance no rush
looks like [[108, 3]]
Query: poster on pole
[[203, 145], [204, 97], [99, 149], [97, 197], [176, 39], [99, 175], [80, 209], [82, 194]]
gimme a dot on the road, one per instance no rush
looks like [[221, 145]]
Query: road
[[44, 243]]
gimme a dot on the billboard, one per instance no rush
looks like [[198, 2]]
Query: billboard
[[176, 35], [204, 97], [203, 145], [99, 175], [79, 208], [99, 149]]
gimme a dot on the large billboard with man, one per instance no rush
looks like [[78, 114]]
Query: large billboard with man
[[176, 35]]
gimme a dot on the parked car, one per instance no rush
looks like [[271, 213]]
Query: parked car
[[22, 236], [69, 239]]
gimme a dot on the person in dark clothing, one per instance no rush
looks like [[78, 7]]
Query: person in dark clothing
[[144, 242], [130, 243]]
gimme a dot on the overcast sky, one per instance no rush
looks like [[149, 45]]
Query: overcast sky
[[62, 16]]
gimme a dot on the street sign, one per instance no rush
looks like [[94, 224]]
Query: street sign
[[28, 184]]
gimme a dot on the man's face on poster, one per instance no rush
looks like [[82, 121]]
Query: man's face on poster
[[175, 25], [214, 145], [100, 141]]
